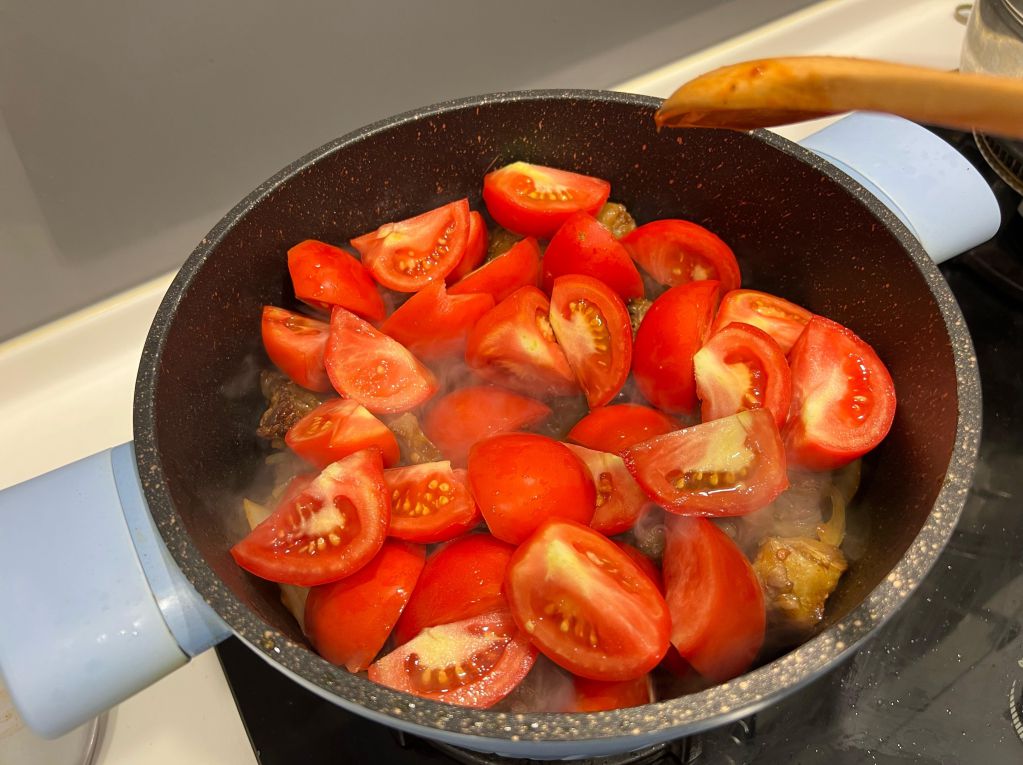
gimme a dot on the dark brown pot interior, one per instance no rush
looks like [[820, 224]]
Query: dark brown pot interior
[[799, 229]]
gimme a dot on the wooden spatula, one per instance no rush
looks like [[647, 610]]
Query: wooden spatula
[[778, 91]]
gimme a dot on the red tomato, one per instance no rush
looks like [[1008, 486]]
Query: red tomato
[[348, 621], [430, 502], [646, 565], [475, 248], [603, 695], [592, 327], [325, 276], [674, 329], [615, 428], [739, 368], [583, 246], [329, 531], [843, 398], [535, 200], [433, 323], [472, 663], [717, 606], [675, 252], [467, 415], [368, 366], [462, 579], [619, 500], [730, 466], [585, 604], [521, 479], [409, 254], [513, 345], [295, 345], [518, 267], [337, 428], [782, 320]]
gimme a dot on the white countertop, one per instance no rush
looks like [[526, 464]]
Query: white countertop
[[67, 387]]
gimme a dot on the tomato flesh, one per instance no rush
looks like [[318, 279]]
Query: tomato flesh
[[730, 466], [518, 267], [348, 621], [434, 324], [585, 604], [325, 276], [782, 320], [616, 428], [430, 502], [475, 248], [296, 344], [675, 252], [619, 499], [337, 428], [583, 246]]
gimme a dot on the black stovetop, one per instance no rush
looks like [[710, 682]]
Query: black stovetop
[[941, 682]]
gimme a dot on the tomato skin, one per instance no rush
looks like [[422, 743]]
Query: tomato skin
[[618, 623], [672, 331], [519, 480], [461, 418], [535, 200], [337, 428], [348, 621], [461, 579], [353, 489], [615, 428], [619, 499], [602, 695], [583, 246], [356, 351], [675, 252], [475, 248], [717, 606], [827, 428], [434, 324], [463, 644], [407, 255], [295, 344], [742, 367], [518, 267], [417, 512], [687, 471], [782, 320], [599, 356], [514, 345], [646, 565], [325, 276]]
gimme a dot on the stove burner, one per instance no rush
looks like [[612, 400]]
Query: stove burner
[[1005, 157], [681, 752]]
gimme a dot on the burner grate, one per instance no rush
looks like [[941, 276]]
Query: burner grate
[[681, 752], [1005, 157]]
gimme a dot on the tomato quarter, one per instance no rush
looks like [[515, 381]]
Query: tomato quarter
[[583, 246], [295, 344], [337, 428], [619, 499], [430, 502], [433, 323], [325, 276], [602, 695], [782, 320], [518, 267], [475, 248], [615, 428], [675, 252]]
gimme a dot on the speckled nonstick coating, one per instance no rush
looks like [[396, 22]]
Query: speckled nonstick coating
[[799, 227]]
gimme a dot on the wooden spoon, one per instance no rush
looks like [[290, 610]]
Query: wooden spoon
[[777, 91]]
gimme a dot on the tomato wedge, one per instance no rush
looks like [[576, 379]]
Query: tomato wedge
[[472, 663], [620, 499], [409, 254], [730, 466], [518, 267], [434, 324], [592, 327], [673, 330], [646, 565], [739, 368], [348, 621], [521, 479], [782, 320], [295, 344], [843, 397], [585, 604], [475, 248], [675, 252], [325, 276], [328, 531], [430, 502], [513, 345], [603, 695], [583, 246], [377, 371], [337, 428], [717, 607], [461, 579], [467, 415], [535, 200], [615, 428]]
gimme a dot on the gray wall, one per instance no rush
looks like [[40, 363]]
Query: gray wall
[[128, 128]]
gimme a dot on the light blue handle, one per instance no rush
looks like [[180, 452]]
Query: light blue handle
[[92, 607], [929, 185]]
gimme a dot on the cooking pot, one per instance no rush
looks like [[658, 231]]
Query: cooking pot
[[116, 569]]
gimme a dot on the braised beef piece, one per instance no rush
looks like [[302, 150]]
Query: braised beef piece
[[615, 218], [637, 310], [415, 447], [287, 403], [797, 574], [500, 241]]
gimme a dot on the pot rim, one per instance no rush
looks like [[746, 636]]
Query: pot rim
[[715, 706]]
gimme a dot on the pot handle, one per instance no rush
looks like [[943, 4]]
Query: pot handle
[[94, 608], [931, 187]]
